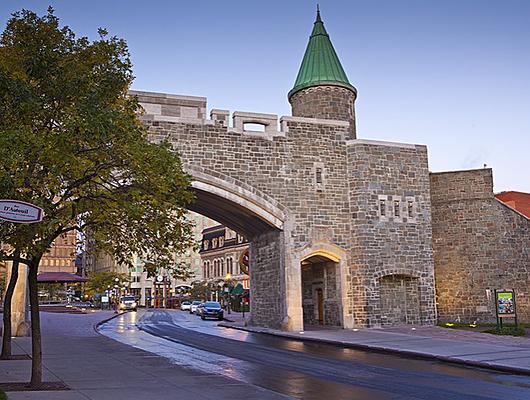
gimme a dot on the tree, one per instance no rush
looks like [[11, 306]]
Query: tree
[[71, 142], [98, 282]]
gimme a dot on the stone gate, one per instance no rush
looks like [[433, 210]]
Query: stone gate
[[340, 227]]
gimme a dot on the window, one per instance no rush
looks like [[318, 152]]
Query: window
[[396, 208], [205, 245], [318, 175], [221, 241], [214, 243], [410, 209], [382, 207]]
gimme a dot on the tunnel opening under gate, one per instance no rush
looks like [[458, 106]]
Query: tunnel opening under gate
[[257, 218]]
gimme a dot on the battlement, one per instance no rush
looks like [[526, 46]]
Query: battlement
[[192, 109]]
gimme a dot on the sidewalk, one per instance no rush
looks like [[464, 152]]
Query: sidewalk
[[502, 353], [96, 367]]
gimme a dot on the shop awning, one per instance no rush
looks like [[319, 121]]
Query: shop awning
[[59, 277]]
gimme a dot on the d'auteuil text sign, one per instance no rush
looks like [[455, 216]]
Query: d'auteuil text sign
[[19, 212]]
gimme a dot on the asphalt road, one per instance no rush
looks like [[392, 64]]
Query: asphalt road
[[319, 371]]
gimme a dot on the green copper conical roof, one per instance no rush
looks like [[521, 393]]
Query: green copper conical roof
[[321, 65]]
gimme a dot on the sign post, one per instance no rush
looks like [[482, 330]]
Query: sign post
[[505, 306], [20, 212]]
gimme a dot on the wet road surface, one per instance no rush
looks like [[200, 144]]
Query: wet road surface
[[320, 371]]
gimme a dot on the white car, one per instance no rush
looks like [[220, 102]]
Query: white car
[[194, 306], [185, 306], [128, 303]]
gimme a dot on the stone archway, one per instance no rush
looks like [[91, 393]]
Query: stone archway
[[323, 285], [261, 220]]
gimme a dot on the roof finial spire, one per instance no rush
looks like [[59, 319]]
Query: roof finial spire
[[318, 13]]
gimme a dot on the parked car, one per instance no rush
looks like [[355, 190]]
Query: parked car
[[212, 309], [128, 303], [185, 306], [194, 306], [200, 309]]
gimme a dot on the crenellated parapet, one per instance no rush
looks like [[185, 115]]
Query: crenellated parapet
[[163, 107]]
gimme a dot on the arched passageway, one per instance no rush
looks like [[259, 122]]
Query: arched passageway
[[321, 290], [261, 221]]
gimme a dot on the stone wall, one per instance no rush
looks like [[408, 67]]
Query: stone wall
[[267, 281], [400, 300], [391, 226], [326, 189], [479, 245], [327, 102]]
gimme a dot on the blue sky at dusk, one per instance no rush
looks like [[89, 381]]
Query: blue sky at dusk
[[454, 75]]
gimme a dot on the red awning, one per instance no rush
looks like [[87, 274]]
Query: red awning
[[59, 277]]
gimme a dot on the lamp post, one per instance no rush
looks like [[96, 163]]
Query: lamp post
[[227, 289]]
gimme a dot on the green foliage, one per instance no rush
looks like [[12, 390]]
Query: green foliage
[[2, 284], [201, 291], [71, 142], [98, 282], [508, 331], [3, 395]]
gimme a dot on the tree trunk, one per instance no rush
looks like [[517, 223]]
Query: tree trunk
[[36, 339], [6, 334]]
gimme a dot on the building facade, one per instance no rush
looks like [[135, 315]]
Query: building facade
[[148, 290], [222, 252], [61, 256]]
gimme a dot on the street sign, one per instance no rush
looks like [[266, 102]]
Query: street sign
[[20, 212]]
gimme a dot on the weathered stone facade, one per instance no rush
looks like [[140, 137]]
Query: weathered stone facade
[[307, 188], [391, 222], [480, 244], [326, 102]]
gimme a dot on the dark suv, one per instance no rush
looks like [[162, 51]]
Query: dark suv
[[212, 309]]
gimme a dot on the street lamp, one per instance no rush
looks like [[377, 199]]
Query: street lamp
[[228, 288]]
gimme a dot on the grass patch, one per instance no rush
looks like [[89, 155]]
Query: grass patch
[[508, 331], [3, 395], [460, 325]]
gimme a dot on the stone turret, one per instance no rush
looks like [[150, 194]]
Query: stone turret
[[322, 89]]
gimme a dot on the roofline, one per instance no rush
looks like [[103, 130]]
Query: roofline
[[512, 191], [460, 170], [214, 228], [321, 83], [512, 209]]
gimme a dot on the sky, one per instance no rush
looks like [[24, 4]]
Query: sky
[[453, 75]]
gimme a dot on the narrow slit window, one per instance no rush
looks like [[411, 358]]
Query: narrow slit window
[[410, 209], [318, 174], [396, 208], [382, 207]]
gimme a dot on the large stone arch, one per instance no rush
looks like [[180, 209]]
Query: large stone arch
[[261, 219], [234, 203]]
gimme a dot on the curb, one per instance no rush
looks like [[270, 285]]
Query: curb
[[386, 350], [98, 324]]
